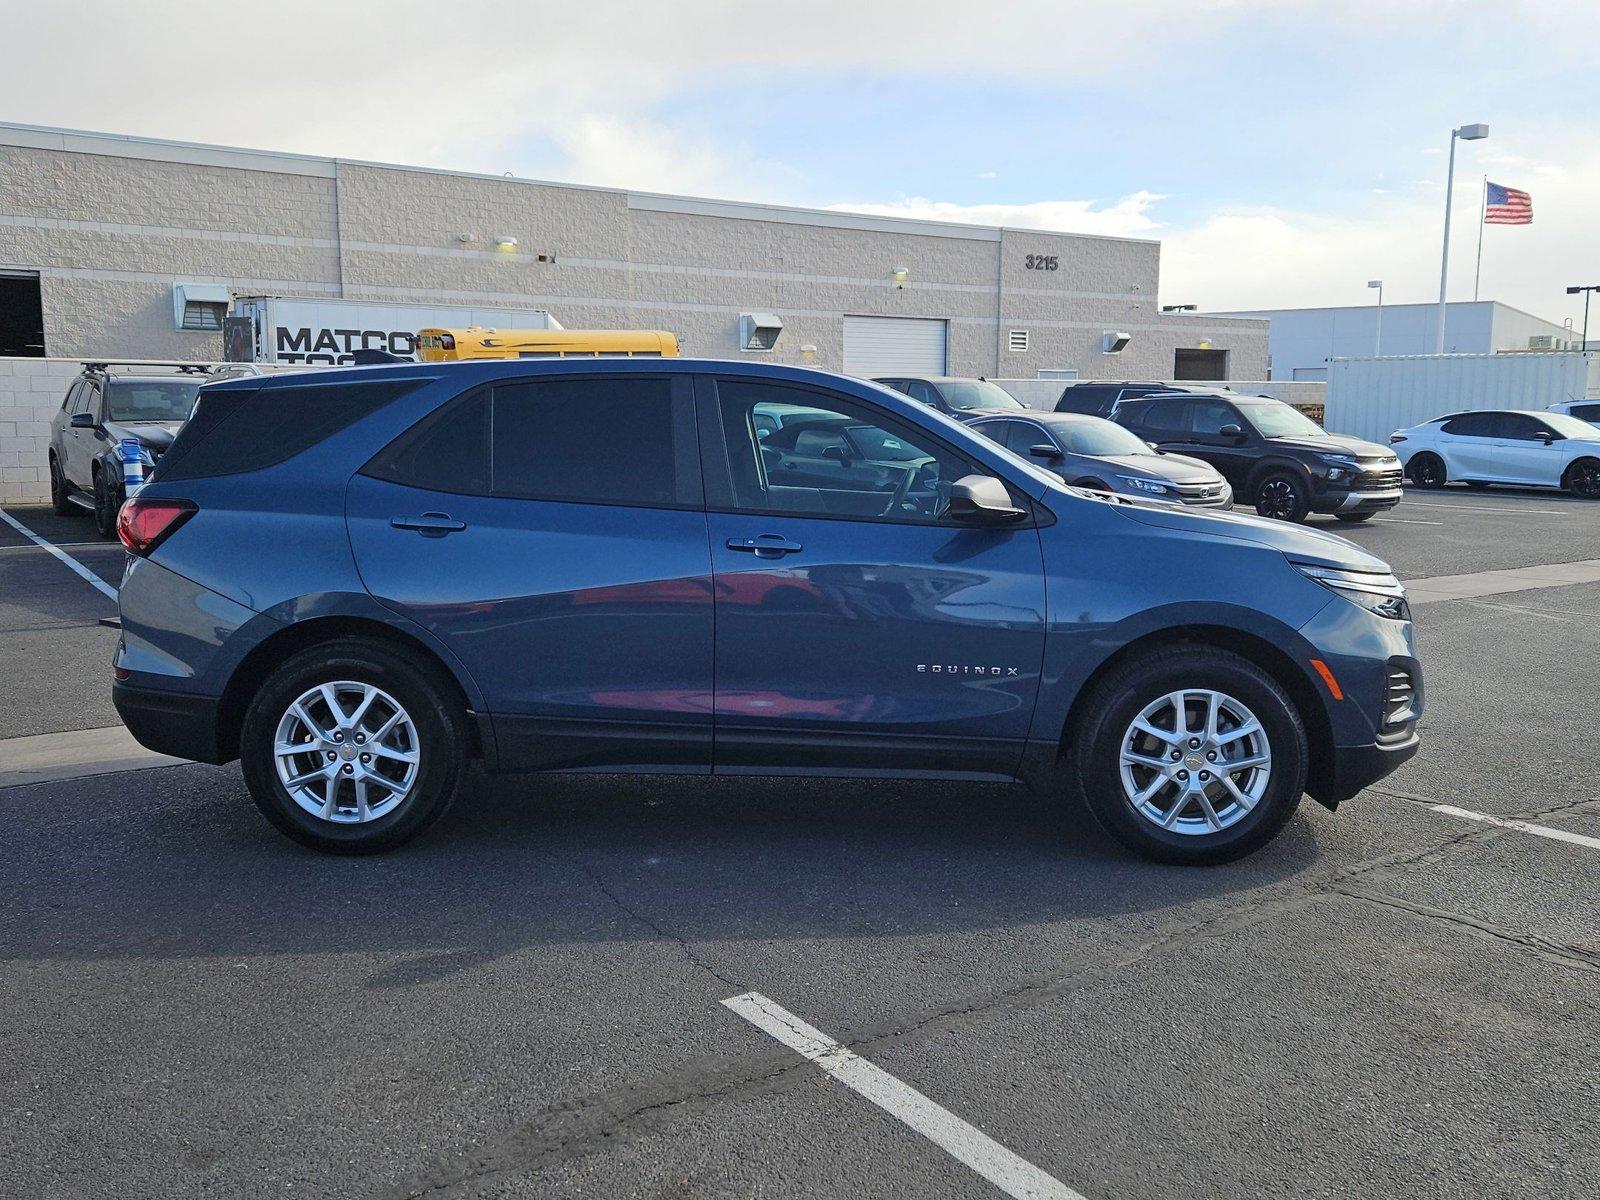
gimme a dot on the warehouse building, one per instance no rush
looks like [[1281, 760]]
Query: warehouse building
[[134, 247], [1304, 341]]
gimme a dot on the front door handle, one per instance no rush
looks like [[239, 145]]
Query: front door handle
[[768, 545], [430, 524]]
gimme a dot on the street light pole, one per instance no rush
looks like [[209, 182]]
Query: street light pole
[[1467, 133], [1377, 339], [1587, 289]]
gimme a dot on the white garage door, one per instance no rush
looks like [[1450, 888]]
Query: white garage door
[[877, 346]]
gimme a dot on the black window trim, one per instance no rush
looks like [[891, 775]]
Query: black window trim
[[718, 470], [687, 443]]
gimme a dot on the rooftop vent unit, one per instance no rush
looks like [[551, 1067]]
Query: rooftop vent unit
[[1112, 342], [759, 331], [199, 306]]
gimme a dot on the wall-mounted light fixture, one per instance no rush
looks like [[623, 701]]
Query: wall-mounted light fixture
[[506, 245], [464, 238], [900, 275], [808, 352]]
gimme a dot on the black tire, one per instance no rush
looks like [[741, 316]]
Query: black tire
[[106, 505], [1426, 470], [1355, 518], [421, 689], [1583, 478], [1094, 757], [59, 503], [1282, 496]]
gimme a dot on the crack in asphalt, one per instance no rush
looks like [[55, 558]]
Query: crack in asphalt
[[575, 1127]]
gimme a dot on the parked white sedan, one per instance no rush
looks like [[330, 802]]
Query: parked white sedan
[[1539, 449]]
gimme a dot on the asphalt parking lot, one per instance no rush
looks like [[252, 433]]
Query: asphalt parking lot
[[1394, 1000]]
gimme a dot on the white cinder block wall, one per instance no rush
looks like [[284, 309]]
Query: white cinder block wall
[[31, 389]]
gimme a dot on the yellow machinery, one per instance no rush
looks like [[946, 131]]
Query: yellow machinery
[[462, 345]]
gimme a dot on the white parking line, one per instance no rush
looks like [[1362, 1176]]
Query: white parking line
[[72, 564], [1404, 521], [1013, 1175], [1545, 831], [1487, 508]]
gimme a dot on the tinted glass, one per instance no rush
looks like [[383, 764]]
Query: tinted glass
[[447, 451], [150, 399], [1207, 416], [791, 471], [1518, 427], [966, 394], [1480, 424], [608, 441], [1165, 416], [1099, 438], [74, 394], [247, 430], [1086, 398], [1587, 412], [918, 390], [1021, 436]]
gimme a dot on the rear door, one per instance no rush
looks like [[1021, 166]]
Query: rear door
[[857, 628], [552, 532], [1467, 444]]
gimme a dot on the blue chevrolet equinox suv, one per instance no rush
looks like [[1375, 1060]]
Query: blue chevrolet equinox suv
[[358, 580]]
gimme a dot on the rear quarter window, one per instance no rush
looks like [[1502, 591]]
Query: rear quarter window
[[238, 431]]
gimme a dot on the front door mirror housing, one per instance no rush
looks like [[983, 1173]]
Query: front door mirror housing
[[82, 420], [983, 500], [1231, 431], [1046, 452]]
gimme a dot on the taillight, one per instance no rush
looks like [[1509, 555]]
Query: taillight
[[145, 524]]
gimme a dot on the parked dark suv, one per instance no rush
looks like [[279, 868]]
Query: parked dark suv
[[358, 580], [1276, 458], [101, 410], [955, 396], [1099, 398]]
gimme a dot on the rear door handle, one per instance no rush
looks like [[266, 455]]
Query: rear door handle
[[431, 524], [768, 545]]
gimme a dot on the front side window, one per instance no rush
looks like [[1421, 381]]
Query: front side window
[[921, 392], [841, 459], [1207, 417], [1518, 427]]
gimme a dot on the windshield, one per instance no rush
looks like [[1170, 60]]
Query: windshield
[[882, 446], [967, 394], [1570, 427], [150, 399], [1102, 439], [1274, 418]]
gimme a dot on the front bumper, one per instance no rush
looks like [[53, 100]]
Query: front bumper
[[1349, 502], [175, 723], [1356, 767]]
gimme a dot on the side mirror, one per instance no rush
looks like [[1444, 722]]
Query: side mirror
[[1231, 431], [836, 453], [1154, 447], [82, 421], [983, 500], [1545, 436], [1047, 453]]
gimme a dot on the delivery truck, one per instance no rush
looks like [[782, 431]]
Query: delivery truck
[[292, 330]]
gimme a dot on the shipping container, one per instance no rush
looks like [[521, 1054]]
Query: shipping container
[[1372, 397], [292, 330]]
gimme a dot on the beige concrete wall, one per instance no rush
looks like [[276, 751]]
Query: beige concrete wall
[[31, 389]]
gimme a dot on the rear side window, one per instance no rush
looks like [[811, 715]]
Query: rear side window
[[1586, 412], [1085, 399], [596, 441], [1479, 424], [237, 431]]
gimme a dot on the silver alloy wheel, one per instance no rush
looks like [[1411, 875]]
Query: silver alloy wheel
[[1195, 762], [347, 752]]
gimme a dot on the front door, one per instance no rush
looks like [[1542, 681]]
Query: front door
[[552, 533], [1525, 456], [857, 628]]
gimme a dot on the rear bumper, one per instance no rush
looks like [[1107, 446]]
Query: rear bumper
[[1355, 767], [174, 723]]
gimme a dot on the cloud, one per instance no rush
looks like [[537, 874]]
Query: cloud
[[1127, 217], [987, 174]]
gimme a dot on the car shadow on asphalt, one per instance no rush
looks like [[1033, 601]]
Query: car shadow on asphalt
[[177, 863]]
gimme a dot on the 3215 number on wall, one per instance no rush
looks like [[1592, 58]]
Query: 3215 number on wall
[[1041, 262]]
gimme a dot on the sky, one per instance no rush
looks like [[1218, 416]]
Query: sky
[[1284, 152]]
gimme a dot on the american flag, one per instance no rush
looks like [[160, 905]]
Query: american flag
[[1506, 206]]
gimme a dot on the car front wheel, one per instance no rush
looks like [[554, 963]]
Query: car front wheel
[[1282, 496], [1190, 755], [1583, 478], [351, 748]]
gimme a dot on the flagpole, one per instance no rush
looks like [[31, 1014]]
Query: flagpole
[[1483, 219]]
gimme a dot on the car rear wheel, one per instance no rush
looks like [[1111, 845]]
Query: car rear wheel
[[59, 503], [1190, 755], [1583, 478], [351, 748], [105, 507], [1426, 470], [1282, 497]]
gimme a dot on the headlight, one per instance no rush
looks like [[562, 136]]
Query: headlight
[[1145, 485], [1377, 593]]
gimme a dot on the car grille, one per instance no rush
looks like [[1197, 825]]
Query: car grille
[[1203, 494], [1374, 478], [1399, 701]]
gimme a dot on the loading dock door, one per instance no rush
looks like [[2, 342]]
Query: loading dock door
[[877, 346], [21, 315], [1200, 364]]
